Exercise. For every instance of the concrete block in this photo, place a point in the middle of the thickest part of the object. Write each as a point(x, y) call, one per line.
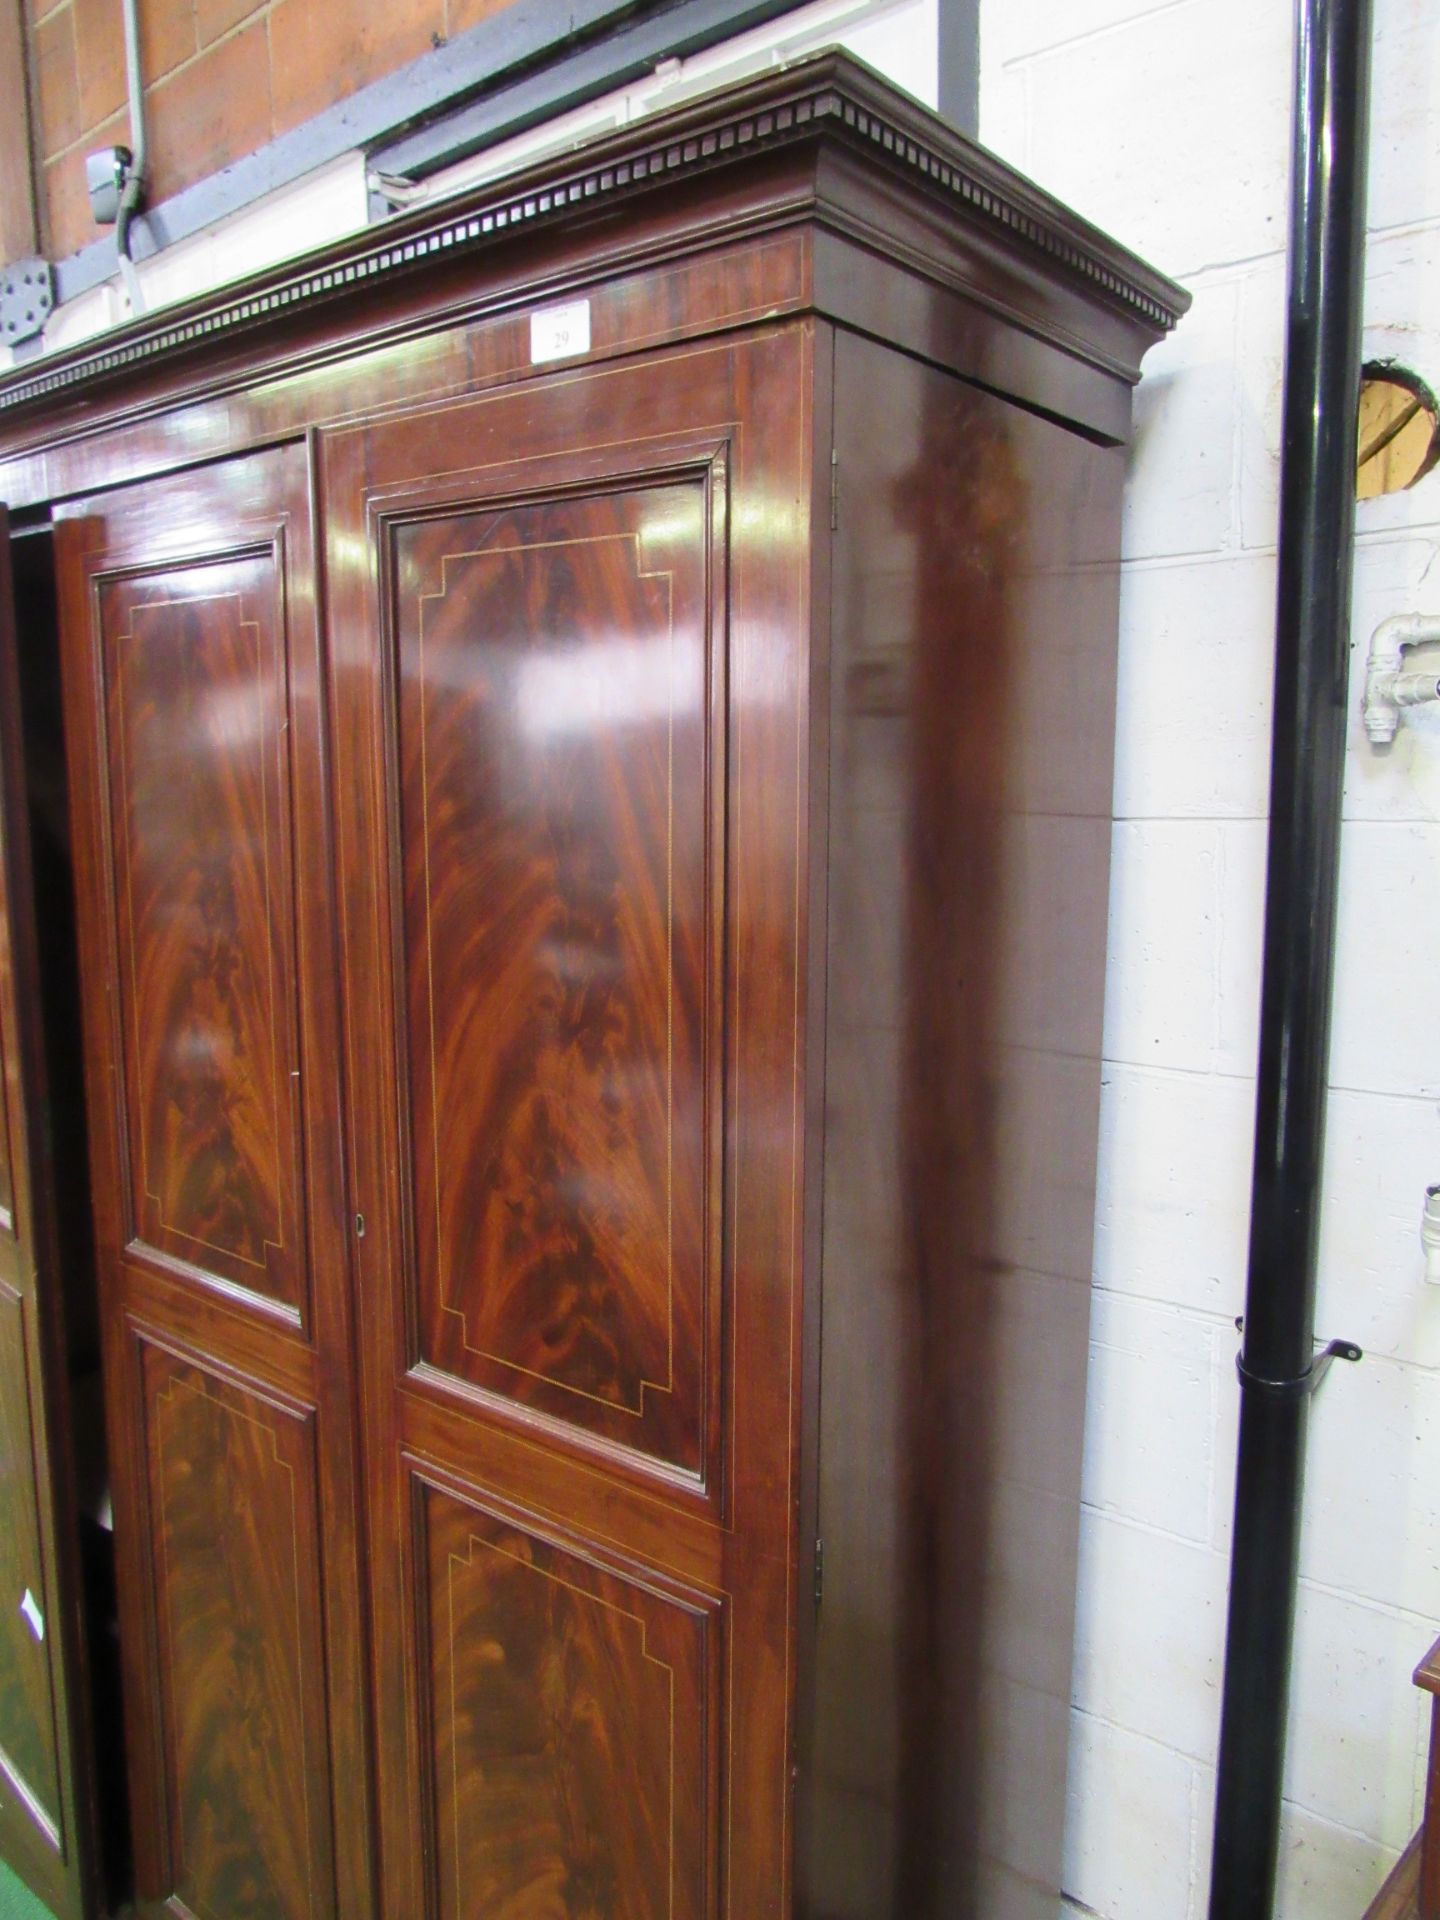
point(1241, 882)
point(1174, 1187)
point(1148, 1440)
point(1381, 1152)
point(1372, 1501)
point(1024, 27)
point(1192, 166)
point(1194, 700)
point(1164, 944)
point(1150, 1633)
point(1357, 1724)
point(1384, 1038)
point(1405, 79)
point(1327, 1872)
point(1180, 495)
point(1129, 1824)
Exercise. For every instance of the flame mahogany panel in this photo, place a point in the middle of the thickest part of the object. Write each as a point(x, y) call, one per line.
point(553, 683)
point(27, 1704)
point(197, 708)
point(602, 827)
point(194, 701)
point(575, 1727)
point(231, 1490)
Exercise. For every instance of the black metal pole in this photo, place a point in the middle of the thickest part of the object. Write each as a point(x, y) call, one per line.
point(1317, 492)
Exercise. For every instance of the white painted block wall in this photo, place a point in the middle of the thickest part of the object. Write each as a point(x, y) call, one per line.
point(1168, 122)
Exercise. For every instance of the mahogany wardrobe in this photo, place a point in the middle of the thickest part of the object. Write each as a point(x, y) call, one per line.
point(588, 716)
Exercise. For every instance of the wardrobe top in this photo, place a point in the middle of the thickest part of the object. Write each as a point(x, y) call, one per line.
point(827, 103)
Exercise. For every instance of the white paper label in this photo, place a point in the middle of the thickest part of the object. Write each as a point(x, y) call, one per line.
point(33, 1615)
point(558, 332)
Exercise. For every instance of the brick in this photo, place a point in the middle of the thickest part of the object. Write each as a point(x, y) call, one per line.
point(216, 17)
point(460, 14)
point(57, 83)
point(100, 59)
point(69, 224)
point(167, 36)
point(210, 112)
point(323, 54)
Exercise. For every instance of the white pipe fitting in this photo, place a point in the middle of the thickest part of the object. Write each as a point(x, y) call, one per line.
point(1387, 688)
point(1430, 1235)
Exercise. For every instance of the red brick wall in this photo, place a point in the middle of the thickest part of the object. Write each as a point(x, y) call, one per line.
point(221, 78)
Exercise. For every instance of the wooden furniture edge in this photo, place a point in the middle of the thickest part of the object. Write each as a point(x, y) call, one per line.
point(830, 96)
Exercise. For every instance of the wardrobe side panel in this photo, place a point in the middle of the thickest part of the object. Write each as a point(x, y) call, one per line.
point(972, 710)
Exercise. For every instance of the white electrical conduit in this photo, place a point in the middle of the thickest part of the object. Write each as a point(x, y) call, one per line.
point(134, 189)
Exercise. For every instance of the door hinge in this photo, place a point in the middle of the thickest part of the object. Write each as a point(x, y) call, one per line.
point(819, 1571)
point(834, 490)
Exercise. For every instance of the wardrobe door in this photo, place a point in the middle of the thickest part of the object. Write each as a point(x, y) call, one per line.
point(569, 665)
point(46, 1821)
point(193, 687)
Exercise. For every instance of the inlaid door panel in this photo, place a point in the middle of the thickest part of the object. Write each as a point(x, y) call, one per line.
point(570, 681)
point(207, 945)
point(200, 826)
point(553, 1678)
point(554, 662)
point(45, 1794)
point(230, 1485)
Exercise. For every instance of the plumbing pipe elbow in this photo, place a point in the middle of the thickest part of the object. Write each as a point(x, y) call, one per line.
point(1384, 695)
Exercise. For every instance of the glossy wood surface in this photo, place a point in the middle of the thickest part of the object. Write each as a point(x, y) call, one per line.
point(200, 834)
point(592, 996)
point(619, 829)
point(45, 1812)
point(575, 1726)
point(192, 666)
point(554, 676)
point(241, 1655)
point(972, 695)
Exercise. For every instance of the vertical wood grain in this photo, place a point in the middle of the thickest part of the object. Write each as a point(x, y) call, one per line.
point(191, 649)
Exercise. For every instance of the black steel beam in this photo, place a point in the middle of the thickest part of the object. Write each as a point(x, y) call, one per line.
point(628, 52)
point(1277, 1360)
point(540, 56)
point(959, 90)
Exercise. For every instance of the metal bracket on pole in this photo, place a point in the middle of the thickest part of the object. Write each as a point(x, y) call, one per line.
point(1303, 1384)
